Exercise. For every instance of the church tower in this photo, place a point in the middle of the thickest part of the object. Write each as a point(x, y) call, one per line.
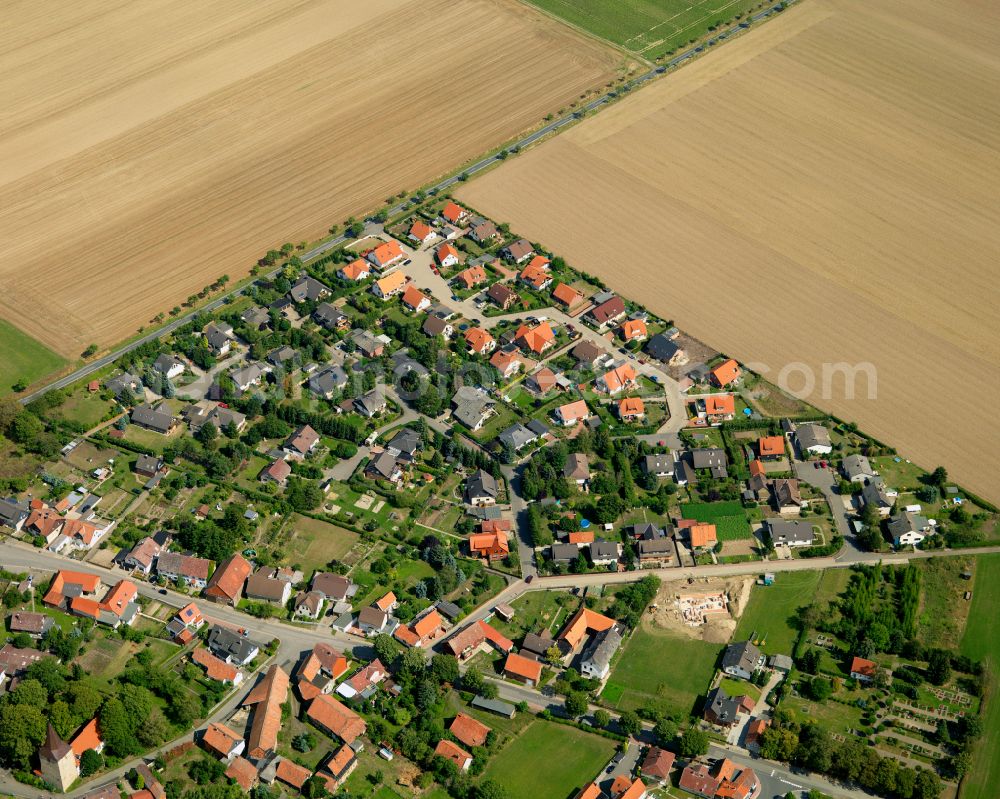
point(58, 763)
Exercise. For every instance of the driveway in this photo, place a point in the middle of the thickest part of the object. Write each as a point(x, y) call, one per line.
point(825, 481)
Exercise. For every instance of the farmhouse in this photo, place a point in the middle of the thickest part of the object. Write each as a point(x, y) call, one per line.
point(266, 699)
point(188, 569)
point(468, 641)
point(34, 624)
point(468, 730)
point(226, 584)
point(319, 671)
point(216, 668)
point(264, 585)
point(454, 753)
point(222, 742)
point(726, 780)
point(522, 669)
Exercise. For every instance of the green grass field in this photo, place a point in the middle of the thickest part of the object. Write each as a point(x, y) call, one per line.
point(549, 760)
point(315, 542)
point(662, 671)
point(728, 517)
point(982, 641)
point(647, 27)
point(23, 358)
point(770, 613)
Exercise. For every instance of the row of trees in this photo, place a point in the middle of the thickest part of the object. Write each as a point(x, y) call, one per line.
point(852, 760)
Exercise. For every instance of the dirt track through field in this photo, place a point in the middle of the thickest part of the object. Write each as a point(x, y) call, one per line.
point(146, 148)
point(821, 190)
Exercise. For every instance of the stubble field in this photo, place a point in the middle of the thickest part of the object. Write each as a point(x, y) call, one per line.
point(141, 161)
point(821, 190)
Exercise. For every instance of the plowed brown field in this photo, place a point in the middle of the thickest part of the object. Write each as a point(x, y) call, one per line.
point(822, 190)
point(148, 147)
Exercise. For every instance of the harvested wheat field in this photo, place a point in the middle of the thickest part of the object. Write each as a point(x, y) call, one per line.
point(146, 148)
point(821, 190)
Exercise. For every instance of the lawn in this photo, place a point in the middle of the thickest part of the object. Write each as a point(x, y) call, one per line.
point(550, 760)
point(740, 688)
point(315, 543)
point(943, 610)
point(728, 517)
point(22, 358)
point(535, 611)
point(84, 408)
point(648, 27)
point(982, 641)
point(663, 671)
point(770, 614)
